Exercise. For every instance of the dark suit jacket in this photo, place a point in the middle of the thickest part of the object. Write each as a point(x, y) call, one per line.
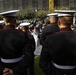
point(52, 28)
point(59, 48)
point(12, 43)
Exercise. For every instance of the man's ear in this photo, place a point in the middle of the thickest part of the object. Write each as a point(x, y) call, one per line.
point(58, 22)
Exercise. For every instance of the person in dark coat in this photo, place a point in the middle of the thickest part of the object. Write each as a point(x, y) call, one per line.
point(1, 24)
point(58, 56)
point(31, 47)
point(12, 43)
point(49, 29)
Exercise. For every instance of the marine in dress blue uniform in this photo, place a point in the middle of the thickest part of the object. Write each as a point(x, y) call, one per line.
point(30, 50)
point(12, 43)
point(49, 29)
point(58, 56)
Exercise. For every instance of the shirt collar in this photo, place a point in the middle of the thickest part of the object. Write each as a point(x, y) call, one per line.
point(65, 29)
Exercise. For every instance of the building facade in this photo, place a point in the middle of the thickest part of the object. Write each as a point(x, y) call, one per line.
point(24, 4)
point(36, 4)
point(70, 4)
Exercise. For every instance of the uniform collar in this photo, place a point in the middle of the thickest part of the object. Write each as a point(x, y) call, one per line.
point(65, 29)
point(9, 27)
point(53, 23)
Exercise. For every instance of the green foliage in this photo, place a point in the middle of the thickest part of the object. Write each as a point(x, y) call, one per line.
point(29, 14)
point(20, 15)
point(62, 8)
point(38, 70)
point(42, 14)
point(48, 12)
point(25, 14)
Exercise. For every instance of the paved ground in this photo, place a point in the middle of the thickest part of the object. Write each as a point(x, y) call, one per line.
point(38, 50)
point(38, 46)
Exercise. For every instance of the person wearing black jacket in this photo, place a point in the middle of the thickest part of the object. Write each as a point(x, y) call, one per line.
point(58, 56)
point(12, 44)
point(51, 28)
point(31, 47)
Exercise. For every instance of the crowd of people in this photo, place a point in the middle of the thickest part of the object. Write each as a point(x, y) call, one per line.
point(18, 43)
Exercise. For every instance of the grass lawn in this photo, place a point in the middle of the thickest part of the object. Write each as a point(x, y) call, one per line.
point(38, 71)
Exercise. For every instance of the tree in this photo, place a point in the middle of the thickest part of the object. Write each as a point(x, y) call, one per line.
point(20, 15)
point(42, 14)
point(25, 14)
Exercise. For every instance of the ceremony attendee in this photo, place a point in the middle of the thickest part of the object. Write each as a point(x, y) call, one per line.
point(51, 28)
point(12, 44)
point(58, 56)
point(30, 50)
point(1, 24)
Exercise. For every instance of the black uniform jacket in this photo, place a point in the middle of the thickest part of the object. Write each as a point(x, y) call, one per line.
point(12, 43)
point(59, 48)
point(52, 28)
point(29, 51)
point(31, 42)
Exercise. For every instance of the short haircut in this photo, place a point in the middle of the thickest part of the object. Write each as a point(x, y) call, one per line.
point(67, 20)
point(10, 20)
point(53, 19)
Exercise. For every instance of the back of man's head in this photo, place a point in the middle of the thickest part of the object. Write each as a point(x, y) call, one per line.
point(67, 20)
point(65, 17)
point(9, 17)
point(53, 19)
point(10, 20)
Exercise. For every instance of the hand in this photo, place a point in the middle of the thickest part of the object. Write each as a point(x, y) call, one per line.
point(7, 71)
